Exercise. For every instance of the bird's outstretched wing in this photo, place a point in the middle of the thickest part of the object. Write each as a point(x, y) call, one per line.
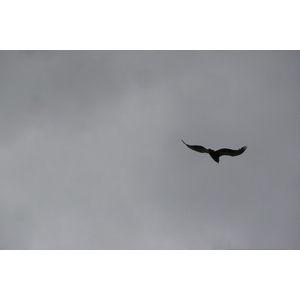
point(196, 148)
point(225, 151)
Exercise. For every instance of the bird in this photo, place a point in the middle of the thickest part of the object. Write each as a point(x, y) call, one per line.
point(215, 155)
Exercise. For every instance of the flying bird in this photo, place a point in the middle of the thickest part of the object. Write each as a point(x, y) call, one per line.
point(216, 154)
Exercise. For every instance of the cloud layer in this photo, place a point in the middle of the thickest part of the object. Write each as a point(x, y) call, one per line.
point(91, 156)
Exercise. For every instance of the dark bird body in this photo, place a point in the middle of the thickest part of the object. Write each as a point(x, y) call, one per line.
point(215, 155)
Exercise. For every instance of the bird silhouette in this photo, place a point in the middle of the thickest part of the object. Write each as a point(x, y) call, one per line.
point(215, 155)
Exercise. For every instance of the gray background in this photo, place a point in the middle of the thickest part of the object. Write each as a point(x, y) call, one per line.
point(91, 156)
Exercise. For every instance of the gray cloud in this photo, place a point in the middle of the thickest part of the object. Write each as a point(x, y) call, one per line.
point(91, 156)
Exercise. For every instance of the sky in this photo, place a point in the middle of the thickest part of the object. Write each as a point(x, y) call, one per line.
point(91, 154)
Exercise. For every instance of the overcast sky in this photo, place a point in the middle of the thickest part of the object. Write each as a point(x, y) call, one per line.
point(92, 158)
